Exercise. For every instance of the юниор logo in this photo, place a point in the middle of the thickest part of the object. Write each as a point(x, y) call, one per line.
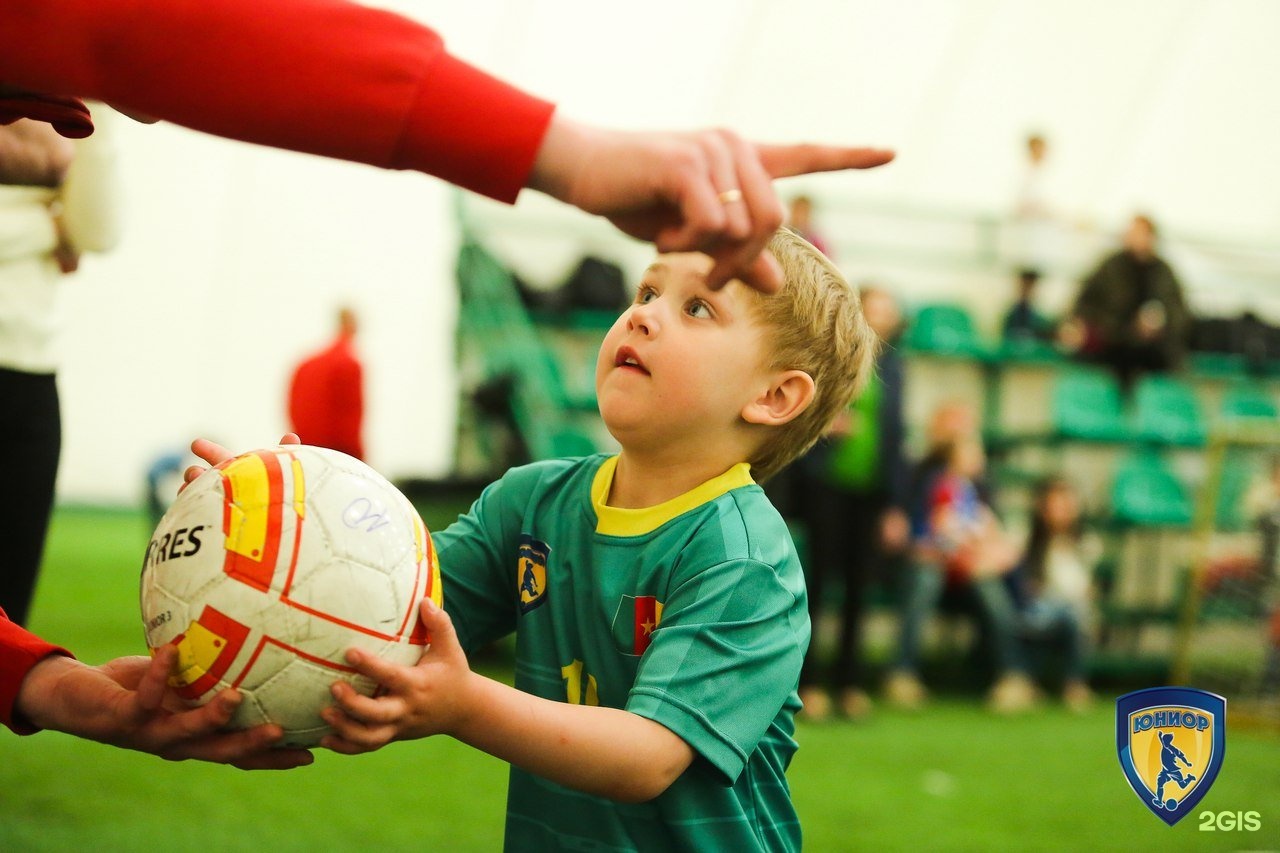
point(1171, 742)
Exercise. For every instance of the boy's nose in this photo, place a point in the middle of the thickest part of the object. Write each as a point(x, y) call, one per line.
point(643, 319)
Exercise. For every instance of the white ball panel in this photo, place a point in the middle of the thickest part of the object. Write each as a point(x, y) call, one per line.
point(354, 564)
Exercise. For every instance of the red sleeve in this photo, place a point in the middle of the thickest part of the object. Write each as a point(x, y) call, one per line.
point(348, 406)
point(320, 76)
point(943, 495)
point(19, 651)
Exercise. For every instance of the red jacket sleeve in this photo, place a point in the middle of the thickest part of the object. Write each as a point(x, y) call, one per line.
point(320, 76)
point(19, 651)
point(348, 406)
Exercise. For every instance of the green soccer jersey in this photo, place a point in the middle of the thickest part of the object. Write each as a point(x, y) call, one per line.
point(691, 613)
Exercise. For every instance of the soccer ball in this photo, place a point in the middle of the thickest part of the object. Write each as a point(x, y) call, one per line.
point(268, 567)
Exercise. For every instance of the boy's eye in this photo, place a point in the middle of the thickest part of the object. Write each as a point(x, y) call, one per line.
point(645, 295)
point(698, 308)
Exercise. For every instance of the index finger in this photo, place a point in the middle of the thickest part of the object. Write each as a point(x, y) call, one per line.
point(762, 273)
point(785, 161)
point(210, 451)
point(384, 672)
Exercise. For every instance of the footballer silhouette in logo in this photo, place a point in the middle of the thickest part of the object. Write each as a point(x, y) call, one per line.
point(1170, 755)
point(531, 572)
point(529, 582)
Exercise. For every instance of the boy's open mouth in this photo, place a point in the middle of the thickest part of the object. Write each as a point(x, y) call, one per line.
point(626, 358)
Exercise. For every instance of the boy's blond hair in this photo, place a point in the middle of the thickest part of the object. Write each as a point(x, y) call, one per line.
point(815, 324)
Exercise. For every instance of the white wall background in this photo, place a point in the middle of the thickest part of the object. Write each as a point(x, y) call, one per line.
point(235, 257)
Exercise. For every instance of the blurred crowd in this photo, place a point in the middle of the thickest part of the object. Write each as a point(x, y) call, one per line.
point(920, 535)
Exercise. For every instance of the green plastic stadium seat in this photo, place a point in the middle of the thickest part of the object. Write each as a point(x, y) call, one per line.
point(944, 329)
point(1146, 493)
point(1218, 364)
point(1087, 406)
point(1028, 352)
point(1166, 411)
point(1247, 400)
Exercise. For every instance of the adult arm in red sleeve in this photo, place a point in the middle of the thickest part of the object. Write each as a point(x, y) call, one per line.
point(126, 703)
point(319, 76)
point(341, 80)
point(20, 650)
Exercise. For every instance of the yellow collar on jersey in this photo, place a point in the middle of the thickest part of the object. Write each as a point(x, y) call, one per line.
point(615, 521)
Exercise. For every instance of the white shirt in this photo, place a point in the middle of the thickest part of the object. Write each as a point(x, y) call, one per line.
point(29, 275)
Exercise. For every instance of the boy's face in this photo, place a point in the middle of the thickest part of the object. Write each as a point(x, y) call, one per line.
point(682, 361)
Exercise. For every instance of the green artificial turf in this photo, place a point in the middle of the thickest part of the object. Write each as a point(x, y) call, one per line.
point(950, 778)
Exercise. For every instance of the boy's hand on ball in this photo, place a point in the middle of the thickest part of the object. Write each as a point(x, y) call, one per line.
point(431, 697)
point(215, 454)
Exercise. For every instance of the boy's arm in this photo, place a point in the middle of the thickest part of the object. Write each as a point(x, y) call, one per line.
point(607, 752)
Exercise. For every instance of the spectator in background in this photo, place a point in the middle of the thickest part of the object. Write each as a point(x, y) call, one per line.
point(43, 231)
point(1023, 324)
point(1262, 505)
point(958, 543)
point(326, 395)
point(1034, 224)
point(800, 220)
point(1131, 314)
point(1053, 584)
point(857, 482)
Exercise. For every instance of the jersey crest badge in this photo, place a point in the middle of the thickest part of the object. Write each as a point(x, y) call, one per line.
point(1171, 741)
point(531, 572)
point(634, 622)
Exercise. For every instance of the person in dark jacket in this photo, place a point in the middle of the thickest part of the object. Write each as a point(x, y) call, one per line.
point(1131, 314)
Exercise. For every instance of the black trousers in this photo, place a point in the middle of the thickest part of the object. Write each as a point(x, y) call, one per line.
point(30, 442)
point(845, 554)
point(1131, 361)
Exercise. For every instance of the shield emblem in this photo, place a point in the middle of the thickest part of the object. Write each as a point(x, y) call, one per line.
point(531, 572)
point(1171, 742)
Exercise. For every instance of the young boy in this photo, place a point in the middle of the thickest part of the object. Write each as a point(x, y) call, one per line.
point(959, 542)
point(656, 597)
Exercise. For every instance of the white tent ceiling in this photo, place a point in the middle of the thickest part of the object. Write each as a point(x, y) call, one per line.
point(1172, 106)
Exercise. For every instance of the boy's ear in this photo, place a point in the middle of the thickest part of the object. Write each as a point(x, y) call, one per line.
point(787, 396)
